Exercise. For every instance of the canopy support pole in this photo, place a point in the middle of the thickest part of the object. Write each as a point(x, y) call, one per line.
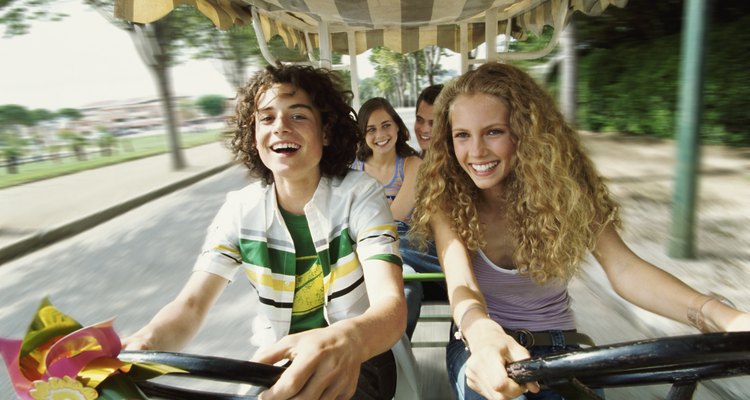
point(490, 34)
point(262, 44)
point(463, 38)
point(354, 72)
point(325, 45)
point(688, 128)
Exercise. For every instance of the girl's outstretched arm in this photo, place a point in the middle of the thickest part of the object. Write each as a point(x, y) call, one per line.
point(658, 291)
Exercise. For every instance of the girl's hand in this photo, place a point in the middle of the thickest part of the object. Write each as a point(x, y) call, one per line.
point(491, 351)
point(720, 317)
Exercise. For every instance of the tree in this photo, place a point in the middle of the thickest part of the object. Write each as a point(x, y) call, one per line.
point(236, 47)
point(16, 15)
point(399, 77)
point(158, 45)
point(76, 141)
point(392, 73)
point(11, 117)
point(212, 105)
point(432, 67)
point(70, 113)
point(14, 114)
point(105, 140)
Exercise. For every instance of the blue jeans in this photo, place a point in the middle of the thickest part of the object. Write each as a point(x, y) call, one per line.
point(415, 261)
point(456, 356)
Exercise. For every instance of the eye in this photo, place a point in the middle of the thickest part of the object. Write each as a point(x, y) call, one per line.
point(265, 118)
point(460, 135)
point(370, 129)
point(496, 132)
point(299, 116)
point(386, 125)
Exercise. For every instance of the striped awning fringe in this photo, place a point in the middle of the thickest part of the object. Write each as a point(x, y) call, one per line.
point(401, 25)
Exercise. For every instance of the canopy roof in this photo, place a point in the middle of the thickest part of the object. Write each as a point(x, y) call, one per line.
point(353, 26)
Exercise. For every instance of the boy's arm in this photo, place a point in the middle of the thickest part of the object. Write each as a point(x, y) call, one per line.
point(327, 360)
point(177, 322)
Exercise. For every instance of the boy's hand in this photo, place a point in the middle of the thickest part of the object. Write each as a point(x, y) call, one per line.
point(325, 365)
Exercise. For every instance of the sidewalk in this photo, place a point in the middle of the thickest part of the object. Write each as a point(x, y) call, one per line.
point(41, 213)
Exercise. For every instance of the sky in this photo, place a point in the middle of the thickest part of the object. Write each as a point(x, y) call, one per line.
point(84, 59)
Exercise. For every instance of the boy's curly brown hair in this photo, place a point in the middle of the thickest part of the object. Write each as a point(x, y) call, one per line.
point(325, 90)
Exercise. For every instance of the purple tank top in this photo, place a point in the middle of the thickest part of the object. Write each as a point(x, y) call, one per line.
point(516, 302)
point(392, 188)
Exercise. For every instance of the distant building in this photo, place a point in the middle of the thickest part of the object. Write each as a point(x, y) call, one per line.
point(125, 117)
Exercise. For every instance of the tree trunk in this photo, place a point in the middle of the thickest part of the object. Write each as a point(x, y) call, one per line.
point(568, 68)
point(152, 42)
point(12, 164)
point(173, 133)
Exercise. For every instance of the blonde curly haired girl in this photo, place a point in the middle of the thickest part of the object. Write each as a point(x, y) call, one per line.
point(514, 204)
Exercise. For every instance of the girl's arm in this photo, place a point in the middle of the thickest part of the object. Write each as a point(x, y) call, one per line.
point(491, 348)
point(177, 322)
point(656, 290)
point(403, 204)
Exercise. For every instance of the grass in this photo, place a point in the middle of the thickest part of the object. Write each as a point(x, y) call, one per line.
point(125, 149)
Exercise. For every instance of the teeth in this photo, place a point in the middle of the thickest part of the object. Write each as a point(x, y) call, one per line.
point(485, 167)
point(383, 142)
point(424, 137)
point(283, 146)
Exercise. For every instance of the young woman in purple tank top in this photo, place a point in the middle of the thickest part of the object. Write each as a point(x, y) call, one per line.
point(384, 153)
point(514, 204)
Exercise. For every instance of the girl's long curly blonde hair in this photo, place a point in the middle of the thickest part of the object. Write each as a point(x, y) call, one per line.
point(556, 202)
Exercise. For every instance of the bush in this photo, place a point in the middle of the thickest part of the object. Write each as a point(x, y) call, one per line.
point(634, 87)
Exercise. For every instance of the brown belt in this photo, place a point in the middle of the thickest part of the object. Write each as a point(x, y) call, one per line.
point(529, 339)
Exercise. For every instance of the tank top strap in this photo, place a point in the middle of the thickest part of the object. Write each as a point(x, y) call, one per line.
point(358, 165)
point(400, 163)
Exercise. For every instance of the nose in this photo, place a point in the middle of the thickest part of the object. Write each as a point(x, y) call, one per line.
point(280, 125)
point(477, 147)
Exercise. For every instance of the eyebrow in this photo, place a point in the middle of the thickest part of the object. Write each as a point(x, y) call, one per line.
point(381, 122)
point(293, 107)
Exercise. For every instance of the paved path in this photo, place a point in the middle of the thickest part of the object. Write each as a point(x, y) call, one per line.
point(40, 213)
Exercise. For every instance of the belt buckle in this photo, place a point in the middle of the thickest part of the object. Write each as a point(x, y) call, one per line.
point(525, 338)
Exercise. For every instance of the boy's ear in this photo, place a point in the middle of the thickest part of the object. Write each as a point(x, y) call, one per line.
point(326, 134)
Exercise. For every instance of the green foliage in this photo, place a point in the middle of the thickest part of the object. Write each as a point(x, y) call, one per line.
point(633, 87)
point(212, 104)
point(70, 113)
point(13, 114)
point(11, 145)
point(17, 15)
point(106, 142)
point(41, 115)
